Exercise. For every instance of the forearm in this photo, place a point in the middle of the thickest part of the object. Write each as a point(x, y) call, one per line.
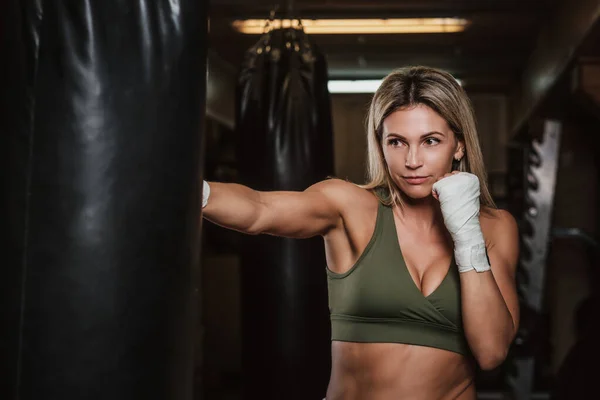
point(487, 267)
point(488, 324)
point(233, 206)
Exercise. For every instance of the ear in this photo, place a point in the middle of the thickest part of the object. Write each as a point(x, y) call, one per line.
point(460, 151)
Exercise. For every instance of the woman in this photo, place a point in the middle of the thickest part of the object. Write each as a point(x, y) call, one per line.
point(420, 263)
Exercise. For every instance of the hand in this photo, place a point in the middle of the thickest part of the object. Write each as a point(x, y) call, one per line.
point(458, 194)
point(434, 192)
point(205, 193)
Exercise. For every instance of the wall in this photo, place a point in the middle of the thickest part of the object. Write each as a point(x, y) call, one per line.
point(349, 113)
point(569, 261)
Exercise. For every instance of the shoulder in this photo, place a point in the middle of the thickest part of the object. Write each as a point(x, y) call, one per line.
point(340, 189)
point(345, 194)
point(497, 222)
point(332, 184)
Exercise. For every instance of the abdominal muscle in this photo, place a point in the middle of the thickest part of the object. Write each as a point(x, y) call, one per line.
point(391, 371)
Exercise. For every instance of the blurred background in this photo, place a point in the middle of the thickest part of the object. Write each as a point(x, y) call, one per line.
point(532, 71)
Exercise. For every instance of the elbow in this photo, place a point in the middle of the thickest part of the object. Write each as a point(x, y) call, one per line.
point(253, 229)
point(490, 358)
point(491, 352)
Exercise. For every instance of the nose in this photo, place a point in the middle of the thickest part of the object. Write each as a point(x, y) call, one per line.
point(413, 161)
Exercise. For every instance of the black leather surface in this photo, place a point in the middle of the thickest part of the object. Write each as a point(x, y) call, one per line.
point(283, 124)
point(101, 163)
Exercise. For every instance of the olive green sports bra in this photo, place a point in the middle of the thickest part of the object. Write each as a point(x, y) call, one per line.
point(377, 300)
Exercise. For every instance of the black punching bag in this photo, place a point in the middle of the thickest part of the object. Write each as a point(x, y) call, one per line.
point(102, 110)
point(283, 125)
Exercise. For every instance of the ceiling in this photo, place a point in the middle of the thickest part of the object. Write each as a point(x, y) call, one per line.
point(488, 56)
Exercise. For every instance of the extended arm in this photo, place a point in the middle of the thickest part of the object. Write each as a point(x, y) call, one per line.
point(282, 213)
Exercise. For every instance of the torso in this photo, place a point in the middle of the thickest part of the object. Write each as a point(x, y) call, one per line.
point(394, 370)
point(384, 371)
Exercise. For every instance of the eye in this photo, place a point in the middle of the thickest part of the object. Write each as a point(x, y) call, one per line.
point(431, 141)
point(394, 142)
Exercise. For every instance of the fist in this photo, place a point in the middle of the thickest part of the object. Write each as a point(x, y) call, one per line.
point(458, 194)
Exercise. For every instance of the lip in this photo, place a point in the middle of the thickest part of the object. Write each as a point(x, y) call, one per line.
point(415, 180)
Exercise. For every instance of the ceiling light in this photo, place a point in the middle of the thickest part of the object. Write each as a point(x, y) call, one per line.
point(353, 86)
point(358, 86)
point(357, 26)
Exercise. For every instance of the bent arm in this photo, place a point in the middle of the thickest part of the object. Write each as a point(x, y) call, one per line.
point(489, 299)
point(281, 213)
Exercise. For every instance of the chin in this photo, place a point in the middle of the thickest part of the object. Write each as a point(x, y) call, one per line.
point(416, 192)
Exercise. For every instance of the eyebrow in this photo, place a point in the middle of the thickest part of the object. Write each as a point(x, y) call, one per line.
point(422, 136)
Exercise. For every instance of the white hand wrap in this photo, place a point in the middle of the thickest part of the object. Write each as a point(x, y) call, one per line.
point(205, 193)
point(459, 200)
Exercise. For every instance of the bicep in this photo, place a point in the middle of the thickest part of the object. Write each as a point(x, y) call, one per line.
point(503, 252)
point(298, 214)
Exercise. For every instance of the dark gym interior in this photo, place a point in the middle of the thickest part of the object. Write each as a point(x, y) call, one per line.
point(526, 65)
point(112, 112)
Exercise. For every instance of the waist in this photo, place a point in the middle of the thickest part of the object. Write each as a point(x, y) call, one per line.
point(346, 328)
point(391, 370)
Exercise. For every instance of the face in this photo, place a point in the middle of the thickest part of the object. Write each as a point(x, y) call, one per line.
point(418, 147)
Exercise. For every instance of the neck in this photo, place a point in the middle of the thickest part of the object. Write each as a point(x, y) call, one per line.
point(422, 213)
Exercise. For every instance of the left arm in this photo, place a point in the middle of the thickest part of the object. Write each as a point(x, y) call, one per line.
point(490, 309)
point(490, 306)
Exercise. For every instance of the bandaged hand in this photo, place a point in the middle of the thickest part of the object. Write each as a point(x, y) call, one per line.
point(459, 200)
point(205, 193)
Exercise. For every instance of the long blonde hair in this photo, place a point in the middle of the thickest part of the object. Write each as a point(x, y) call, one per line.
point(437, 89)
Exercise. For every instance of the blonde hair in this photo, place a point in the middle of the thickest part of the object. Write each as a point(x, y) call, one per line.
point(409, 87)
